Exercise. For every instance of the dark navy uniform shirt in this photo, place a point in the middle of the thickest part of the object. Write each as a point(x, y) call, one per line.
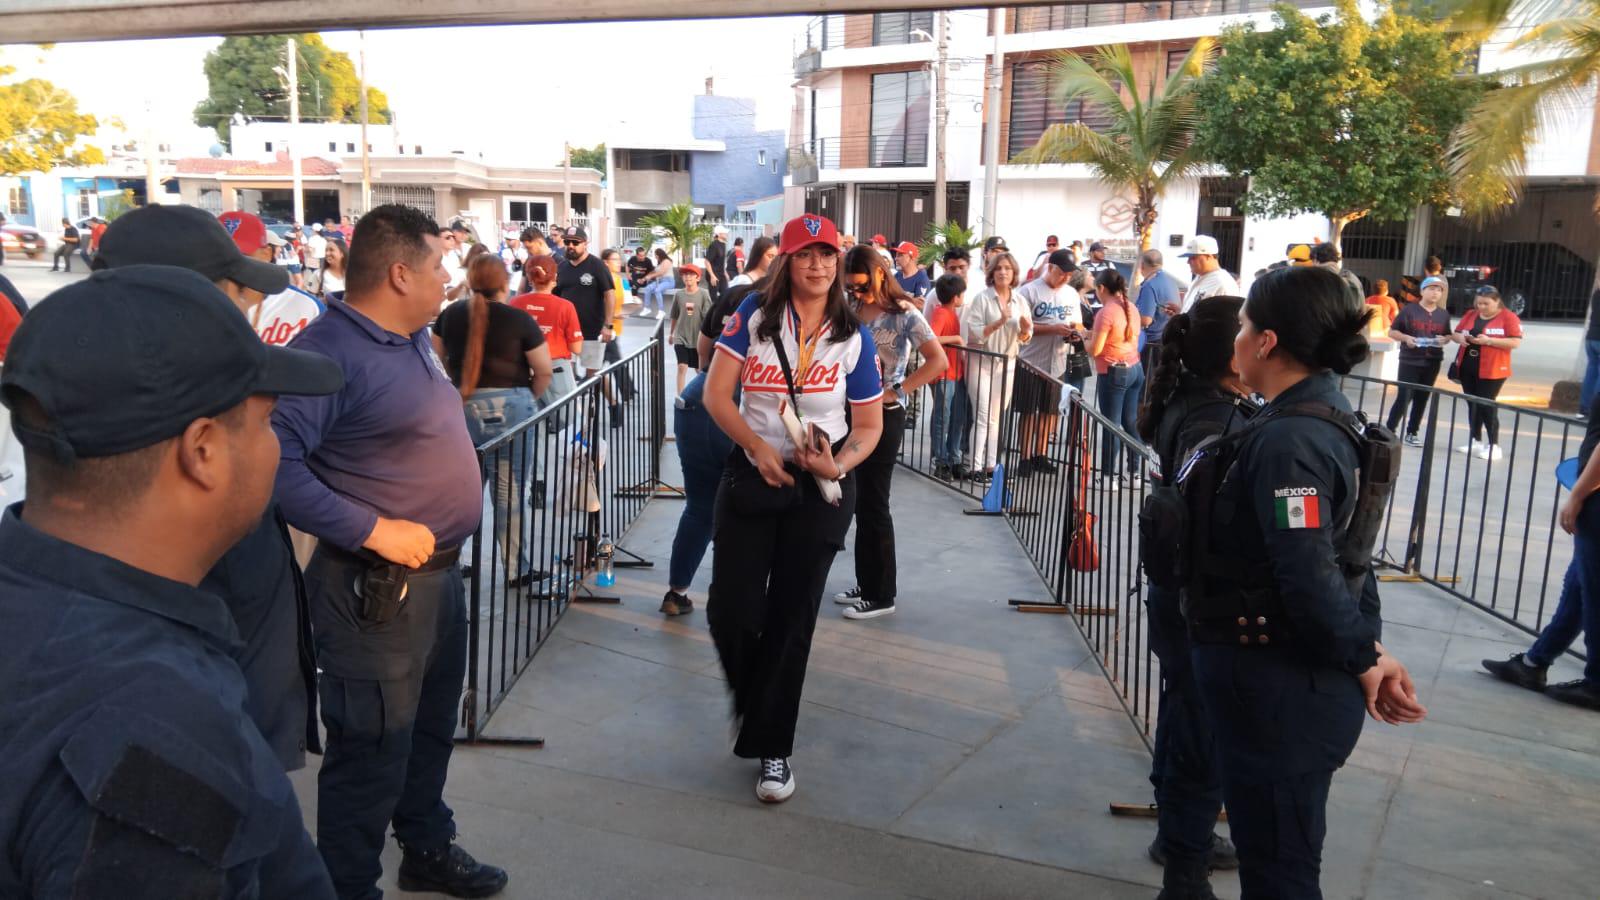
point(129, 767)
point(1292, 488)
point(392, 442)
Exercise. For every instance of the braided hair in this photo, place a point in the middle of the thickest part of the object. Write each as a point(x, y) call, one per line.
point(1198, 343)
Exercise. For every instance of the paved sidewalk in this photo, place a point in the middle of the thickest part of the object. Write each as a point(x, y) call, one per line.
point(960, 749)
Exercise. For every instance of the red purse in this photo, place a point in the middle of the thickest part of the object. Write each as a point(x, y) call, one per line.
point(1083, 554)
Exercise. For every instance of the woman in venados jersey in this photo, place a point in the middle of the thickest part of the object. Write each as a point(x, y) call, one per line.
point(809, 412)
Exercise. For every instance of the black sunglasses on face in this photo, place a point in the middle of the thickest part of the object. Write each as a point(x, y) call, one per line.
point(857, 288)
point(573, 243)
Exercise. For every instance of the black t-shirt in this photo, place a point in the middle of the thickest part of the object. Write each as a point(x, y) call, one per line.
point(1593, 332)
point(639, 267)
point(1417, 322)
point(506, 342)
point(71, 232)
point(1591, 433)
point(584, 285)
point(717, 258)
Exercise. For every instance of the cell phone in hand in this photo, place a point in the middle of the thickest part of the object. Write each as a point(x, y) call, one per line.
point(816, 438)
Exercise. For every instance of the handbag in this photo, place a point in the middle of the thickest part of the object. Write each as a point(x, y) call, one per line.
point(1454, 372)
point(1079, 365)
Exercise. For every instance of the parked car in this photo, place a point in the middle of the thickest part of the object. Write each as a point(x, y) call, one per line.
point(1536, 279)
point(22, 239)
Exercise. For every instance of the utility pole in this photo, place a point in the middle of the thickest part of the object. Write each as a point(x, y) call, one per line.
point(991, 158)
point(152, 183)
point(294, 133)
point(366, 162)
point(941, 119)
point(566, 181)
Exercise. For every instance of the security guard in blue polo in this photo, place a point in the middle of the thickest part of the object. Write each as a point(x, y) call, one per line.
point(142, 399)
point(1284, 617)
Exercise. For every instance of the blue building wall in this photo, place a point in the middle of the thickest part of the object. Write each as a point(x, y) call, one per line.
point(25, 184)
point(744, 171)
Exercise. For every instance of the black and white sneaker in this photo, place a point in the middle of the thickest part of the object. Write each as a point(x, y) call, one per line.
point(1413, 440)
point(866, 609)
point(776, 783)
point(848, 598)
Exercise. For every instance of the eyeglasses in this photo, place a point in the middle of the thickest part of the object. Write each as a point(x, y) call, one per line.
point(1052, 245)
point(574, 243)
point(858, 288)
point(822, 257)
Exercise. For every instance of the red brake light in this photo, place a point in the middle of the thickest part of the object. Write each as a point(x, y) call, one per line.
point(1485, 271)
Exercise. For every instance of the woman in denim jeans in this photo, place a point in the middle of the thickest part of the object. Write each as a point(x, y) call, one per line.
point(497, 357)
point(1119, 380)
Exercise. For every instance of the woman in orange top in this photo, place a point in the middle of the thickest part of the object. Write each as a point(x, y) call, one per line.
point(1119, 380)
point(1487, 335)
point(1386, 304)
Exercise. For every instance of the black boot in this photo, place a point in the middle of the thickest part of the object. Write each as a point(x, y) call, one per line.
point(1185, 881)
point(451, 871)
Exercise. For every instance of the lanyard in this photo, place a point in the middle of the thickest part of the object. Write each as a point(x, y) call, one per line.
point(806, 347)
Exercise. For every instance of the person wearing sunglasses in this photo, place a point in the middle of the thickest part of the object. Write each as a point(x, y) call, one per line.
point(809, 414)
point(1051, 245)
point(585, 281)
point(895, 322)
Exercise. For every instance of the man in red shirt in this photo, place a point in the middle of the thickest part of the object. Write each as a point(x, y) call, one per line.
point(558, 319)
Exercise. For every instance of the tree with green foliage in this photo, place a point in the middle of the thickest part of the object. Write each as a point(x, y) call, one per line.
point(1525, 103)
point(1149, 143)
point(677, 225)
point(589, 158)
point(40, 127)
point(243, 78)
point(939, 238)
point(1337, 115)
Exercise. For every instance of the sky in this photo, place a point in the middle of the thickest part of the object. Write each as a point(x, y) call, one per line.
point(516, 91)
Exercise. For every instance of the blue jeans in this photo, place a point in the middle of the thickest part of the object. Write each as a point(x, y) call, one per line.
point(1579, 606)
point(1591, 375)
point(655, 293)
point(702, 451)
point(492, 412)
point(1117, 395)
point(950, 414)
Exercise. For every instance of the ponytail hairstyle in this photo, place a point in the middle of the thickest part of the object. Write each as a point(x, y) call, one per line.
point(487, 278)
point(1309, 309)
point(1112, 280)
point(1199, 343)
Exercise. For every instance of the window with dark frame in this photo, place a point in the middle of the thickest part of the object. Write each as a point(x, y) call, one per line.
point(1032, 109)
point(897, 27)
point(899, 127)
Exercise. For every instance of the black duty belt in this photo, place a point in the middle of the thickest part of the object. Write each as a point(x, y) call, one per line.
point(440, 560)
point(1241, 631)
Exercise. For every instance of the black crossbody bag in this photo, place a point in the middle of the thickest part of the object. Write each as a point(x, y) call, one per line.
point(749, 492)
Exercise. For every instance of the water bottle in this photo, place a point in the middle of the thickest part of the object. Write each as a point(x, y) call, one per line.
point(604, 576)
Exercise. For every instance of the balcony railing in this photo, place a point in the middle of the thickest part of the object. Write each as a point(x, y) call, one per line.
point(824, 33)
point(1090, 15)
point(897, 150)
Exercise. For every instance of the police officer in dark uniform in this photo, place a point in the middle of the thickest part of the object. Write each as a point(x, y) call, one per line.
point(1195, 393)
point(143, 399)
point(1286, 633)
point(258, 577)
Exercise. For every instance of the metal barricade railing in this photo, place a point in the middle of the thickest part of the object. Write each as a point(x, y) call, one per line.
point(1484, 530)
point(579, 472)
point(987, 377)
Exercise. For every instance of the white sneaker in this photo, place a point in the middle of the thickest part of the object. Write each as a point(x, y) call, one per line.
point(848, 598)
point(1110, 483)
point(1489, 451)
point(776, 783)
point(1470, 447)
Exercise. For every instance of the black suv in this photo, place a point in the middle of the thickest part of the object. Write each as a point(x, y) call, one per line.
point(1536, 280)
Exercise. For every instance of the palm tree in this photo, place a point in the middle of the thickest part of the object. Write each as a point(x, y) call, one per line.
point(676, 223)
point(939, 238)
point(1149, 143)
point(1488, 153)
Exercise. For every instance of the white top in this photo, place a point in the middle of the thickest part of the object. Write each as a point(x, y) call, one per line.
point(332, 282)
point(285, 314)
point(317, 246)
point(1216, 283)
point(983, 311)
point(841, 371)
point(453, 268)
point(741, 279)
point(1048, 352)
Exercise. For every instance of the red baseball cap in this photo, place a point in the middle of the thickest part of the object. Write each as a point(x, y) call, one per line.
point(686, 269)
point(906, 247)
point(805, 230)
point(248, 231)
point(880, 240)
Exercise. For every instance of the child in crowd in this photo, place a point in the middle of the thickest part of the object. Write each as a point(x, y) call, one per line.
point(688, 309)
point(1386, 305)
point(949, 391)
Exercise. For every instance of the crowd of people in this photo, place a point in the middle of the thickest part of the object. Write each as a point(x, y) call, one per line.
point(302, 364)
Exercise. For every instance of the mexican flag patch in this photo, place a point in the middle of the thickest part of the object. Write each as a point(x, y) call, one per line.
point(1298, 507)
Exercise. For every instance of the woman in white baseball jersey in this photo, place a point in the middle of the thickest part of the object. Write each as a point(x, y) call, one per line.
point(799, 354)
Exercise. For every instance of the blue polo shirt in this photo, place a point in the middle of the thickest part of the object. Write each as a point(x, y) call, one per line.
point(127, 751)
point(1154, 294)
point(392, 442)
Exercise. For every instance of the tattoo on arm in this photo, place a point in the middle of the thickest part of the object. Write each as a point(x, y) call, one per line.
point(854, 446)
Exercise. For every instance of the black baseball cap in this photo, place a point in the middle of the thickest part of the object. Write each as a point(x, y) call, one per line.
point(1062, 259)
point(130, 356)
point(1096, 246)
point(575, 234)
point(188, 238)
point(995, 243)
